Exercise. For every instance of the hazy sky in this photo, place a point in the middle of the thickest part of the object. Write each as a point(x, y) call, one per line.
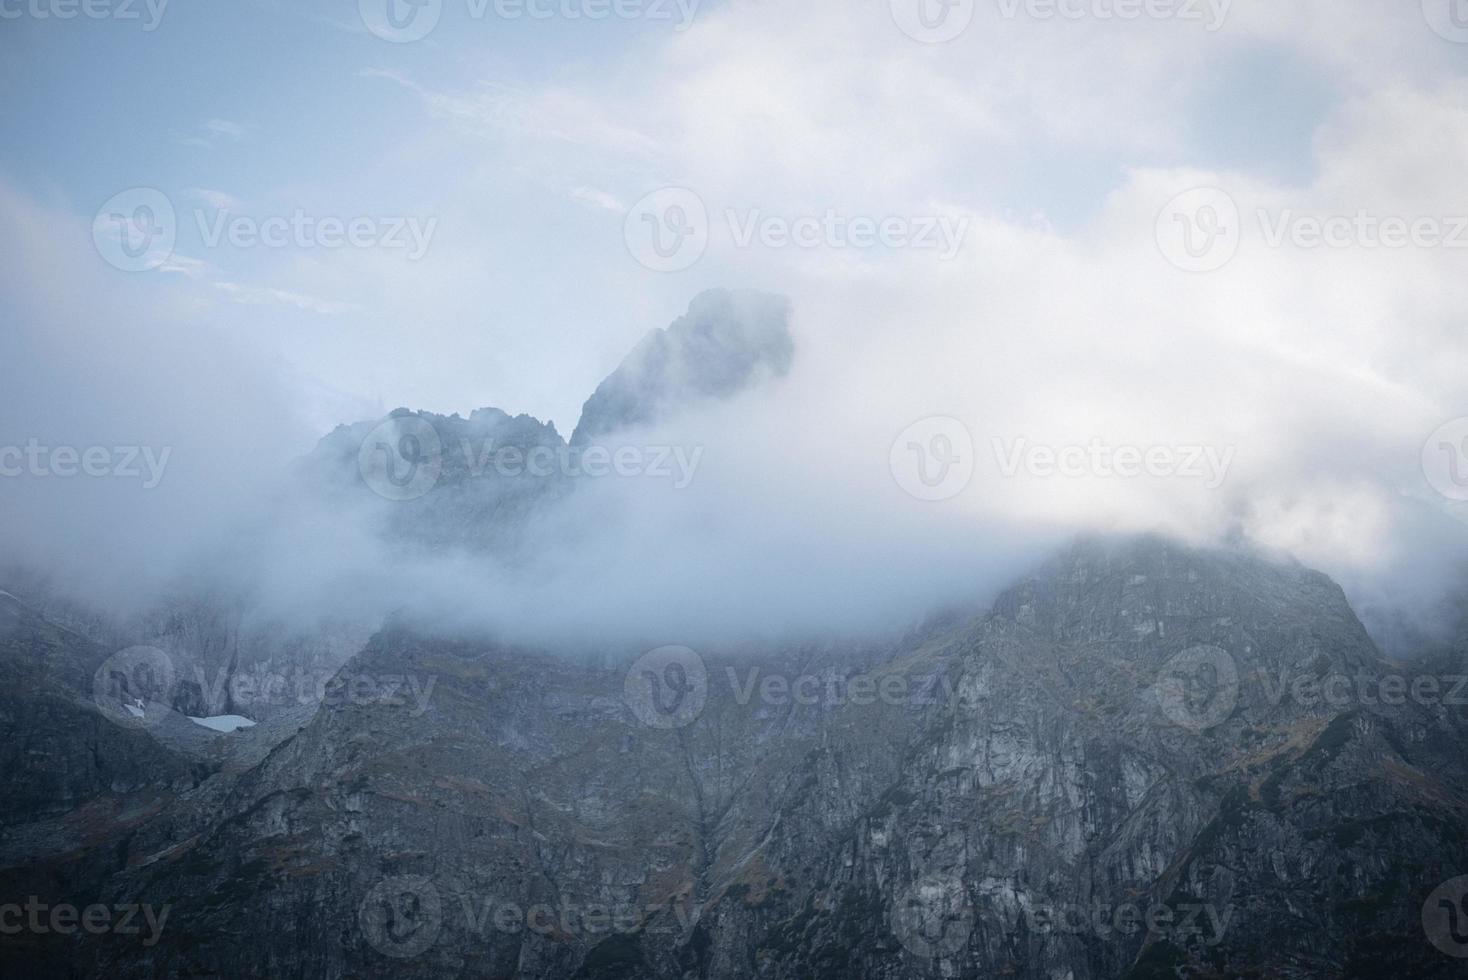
point(519, 146)
point(526, 138)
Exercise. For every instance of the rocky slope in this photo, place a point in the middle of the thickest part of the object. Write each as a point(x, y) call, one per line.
point(1144, 761)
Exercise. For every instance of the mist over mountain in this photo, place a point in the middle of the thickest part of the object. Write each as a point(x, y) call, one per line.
point(471, 698)
point(706, 490)
point(1047, 786)
point(724, 344)
point(779, 494)
point(644, 525)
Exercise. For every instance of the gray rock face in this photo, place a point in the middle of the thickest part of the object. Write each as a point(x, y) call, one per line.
point(58, 752)
point(440, 481)
point(1125, 769)
point(727, 342)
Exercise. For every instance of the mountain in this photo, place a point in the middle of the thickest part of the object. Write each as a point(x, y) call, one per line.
point(416, 485)
point(60, 750)
point(440, 481)
point(727, 342)
point(1145, 760)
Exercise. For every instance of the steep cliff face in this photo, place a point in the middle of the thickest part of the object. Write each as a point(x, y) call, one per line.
point(1146, 761)
point(79, 770)
point(726, 343)
point(58, 747)
point(1141, 728)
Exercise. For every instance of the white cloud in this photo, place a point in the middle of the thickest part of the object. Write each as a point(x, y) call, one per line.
point(219, 200)
point(598, 198)
point(1060, 322)
point(285, 297)
point(226, 129)
point(212, 132)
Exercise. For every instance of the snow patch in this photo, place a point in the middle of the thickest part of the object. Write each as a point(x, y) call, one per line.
point(223, 723)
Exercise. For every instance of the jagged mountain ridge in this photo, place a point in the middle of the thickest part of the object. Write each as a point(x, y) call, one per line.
point(777, 839)
point(425, 484)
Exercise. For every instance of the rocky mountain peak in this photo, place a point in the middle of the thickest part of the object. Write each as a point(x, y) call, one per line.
point(727, 341)
point(1136, 589)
